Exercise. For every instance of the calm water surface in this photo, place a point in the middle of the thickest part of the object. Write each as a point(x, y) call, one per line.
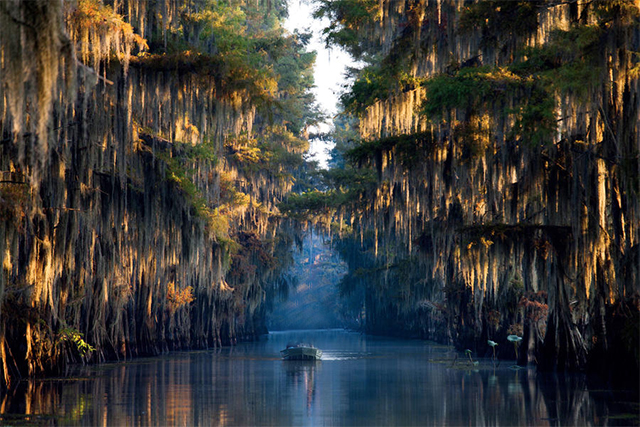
point(360, 381)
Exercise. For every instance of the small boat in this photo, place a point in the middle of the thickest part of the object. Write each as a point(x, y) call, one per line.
point(301, 352)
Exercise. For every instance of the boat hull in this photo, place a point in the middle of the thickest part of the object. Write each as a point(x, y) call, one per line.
point(301, 353)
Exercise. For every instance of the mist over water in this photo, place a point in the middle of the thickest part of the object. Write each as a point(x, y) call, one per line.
point(313, 301)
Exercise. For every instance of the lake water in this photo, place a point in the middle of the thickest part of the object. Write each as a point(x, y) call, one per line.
point(360, 381)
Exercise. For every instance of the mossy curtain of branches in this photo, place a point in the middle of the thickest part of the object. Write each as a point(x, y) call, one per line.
point(145, 146)
point(503, 142)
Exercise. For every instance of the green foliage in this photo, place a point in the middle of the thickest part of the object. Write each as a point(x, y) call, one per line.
point(177, 172)
point(276, 152)
point(237, 47)
point(365, 91)
point(535, 121)
point(348, 18)
point(340, 188)
point(296, 108)
point(351, 25)
point(71, 335)
point(343, 188)
point(205, 151)
point(355, 180)
point(569, 63)
point(384, 76)
point(474, 137)
point(471, 89)
point(228, 74)
point(311, 204)
point(376, 82)
point(485, 89)
point(245, 150)
point(223, 23)
point(344, 135)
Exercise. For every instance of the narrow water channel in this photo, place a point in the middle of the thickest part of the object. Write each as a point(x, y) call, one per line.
point(360, 381)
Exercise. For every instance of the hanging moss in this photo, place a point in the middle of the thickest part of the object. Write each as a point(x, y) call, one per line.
point(533, 129)
point(100, 32)
point(133, 214)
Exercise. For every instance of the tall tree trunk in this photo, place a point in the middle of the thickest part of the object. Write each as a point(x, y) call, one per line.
point(563, 346)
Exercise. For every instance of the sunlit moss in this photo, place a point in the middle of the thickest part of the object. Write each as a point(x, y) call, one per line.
point(100, 32)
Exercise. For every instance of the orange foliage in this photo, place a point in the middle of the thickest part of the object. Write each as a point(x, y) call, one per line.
point(535, 305)
point(178, 298)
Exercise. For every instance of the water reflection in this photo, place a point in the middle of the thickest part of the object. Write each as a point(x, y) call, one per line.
point(360, 381)
point(301, 379)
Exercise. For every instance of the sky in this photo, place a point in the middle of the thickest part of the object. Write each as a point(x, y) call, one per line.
point(329, 71)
